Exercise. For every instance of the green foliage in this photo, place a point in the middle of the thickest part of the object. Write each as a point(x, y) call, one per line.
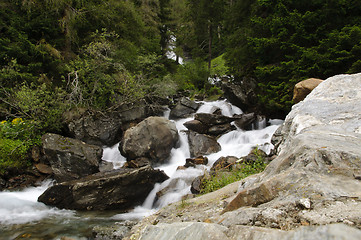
point(218, 66)
point(16, 139)
point(238, 172)
point(13, 155)
point(41, 104)
point(192, 75)
point(279, 43)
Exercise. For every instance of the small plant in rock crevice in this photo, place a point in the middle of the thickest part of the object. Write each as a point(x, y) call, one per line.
point(239, 171)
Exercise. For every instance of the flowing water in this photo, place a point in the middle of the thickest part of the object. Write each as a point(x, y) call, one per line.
point(21, 216)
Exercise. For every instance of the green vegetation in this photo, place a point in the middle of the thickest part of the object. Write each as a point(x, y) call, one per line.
point(59, 55)
point(279, 43)
point(16, 139)
point(239, 171)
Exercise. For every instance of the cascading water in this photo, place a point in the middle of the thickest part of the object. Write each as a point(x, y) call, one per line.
point(21, 213)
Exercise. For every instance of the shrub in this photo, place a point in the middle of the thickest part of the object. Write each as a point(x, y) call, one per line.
point(240, 171)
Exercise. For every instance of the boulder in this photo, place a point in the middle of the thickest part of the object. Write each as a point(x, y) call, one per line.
point(241, 94)
point(201, 144)
point(106, 128)
point(197, 126)
point(244, 121)
point(303, 88)
point(212, 119)
point(319, 149)
point(218, 130)
point(94, 127)
point(117, 190)
point(70, 158)
point(184, 108)
point(153, 138)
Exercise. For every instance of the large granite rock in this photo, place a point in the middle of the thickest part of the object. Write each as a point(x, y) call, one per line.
point(70, 158)
point(184, 231)
point(303, 88)
point(152, 138)
point(197, 230)
point(319, 147)
point(121, 189)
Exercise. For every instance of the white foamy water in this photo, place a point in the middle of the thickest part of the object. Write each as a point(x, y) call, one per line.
point(112, 155)
point(21, 207)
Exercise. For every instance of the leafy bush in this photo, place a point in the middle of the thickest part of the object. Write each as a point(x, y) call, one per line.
point(16, 139)
point(192, 75)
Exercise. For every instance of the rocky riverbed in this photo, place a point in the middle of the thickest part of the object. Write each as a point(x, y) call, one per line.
point(311, 190)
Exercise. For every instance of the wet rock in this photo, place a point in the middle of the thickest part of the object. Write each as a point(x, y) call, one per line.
point(70, 158)
point(303, 88)
point(197, 126)
point(221, 129)
point(224, 163)
point(153, 138)
point(196, 186)
point(184, 108)
point(244, 121)
point(212, 119)
point(241, 94)
point(192, 162)
point(117, 190)
point(201, 144)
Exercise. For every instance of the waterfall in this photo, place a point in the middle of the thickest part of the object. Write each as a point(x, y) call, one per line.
point(21, 209)
point(236, 143)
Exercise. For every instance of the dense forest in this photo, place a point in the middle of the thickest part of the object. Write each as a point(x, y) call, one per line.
point(64, 54)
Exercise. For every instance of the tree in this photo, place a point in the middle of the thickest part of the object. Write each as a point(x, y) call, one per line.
point(286, 41)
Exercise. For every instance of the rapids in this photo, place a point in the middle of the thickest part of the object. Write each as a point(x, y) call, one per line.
point(22, 215)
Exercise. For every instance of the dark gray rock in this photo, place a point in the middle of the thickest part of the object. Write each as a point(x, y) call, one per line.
point(184, 108)
point(196, 186)
point(241, 94)
point(105, 128)
point(152, 138)
point(244, 121)
point(94, 127)
point(218, 130)
point(70, 158)
point(121, 190)
point(212, 119)
point(197, 126)
point(201, 144)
